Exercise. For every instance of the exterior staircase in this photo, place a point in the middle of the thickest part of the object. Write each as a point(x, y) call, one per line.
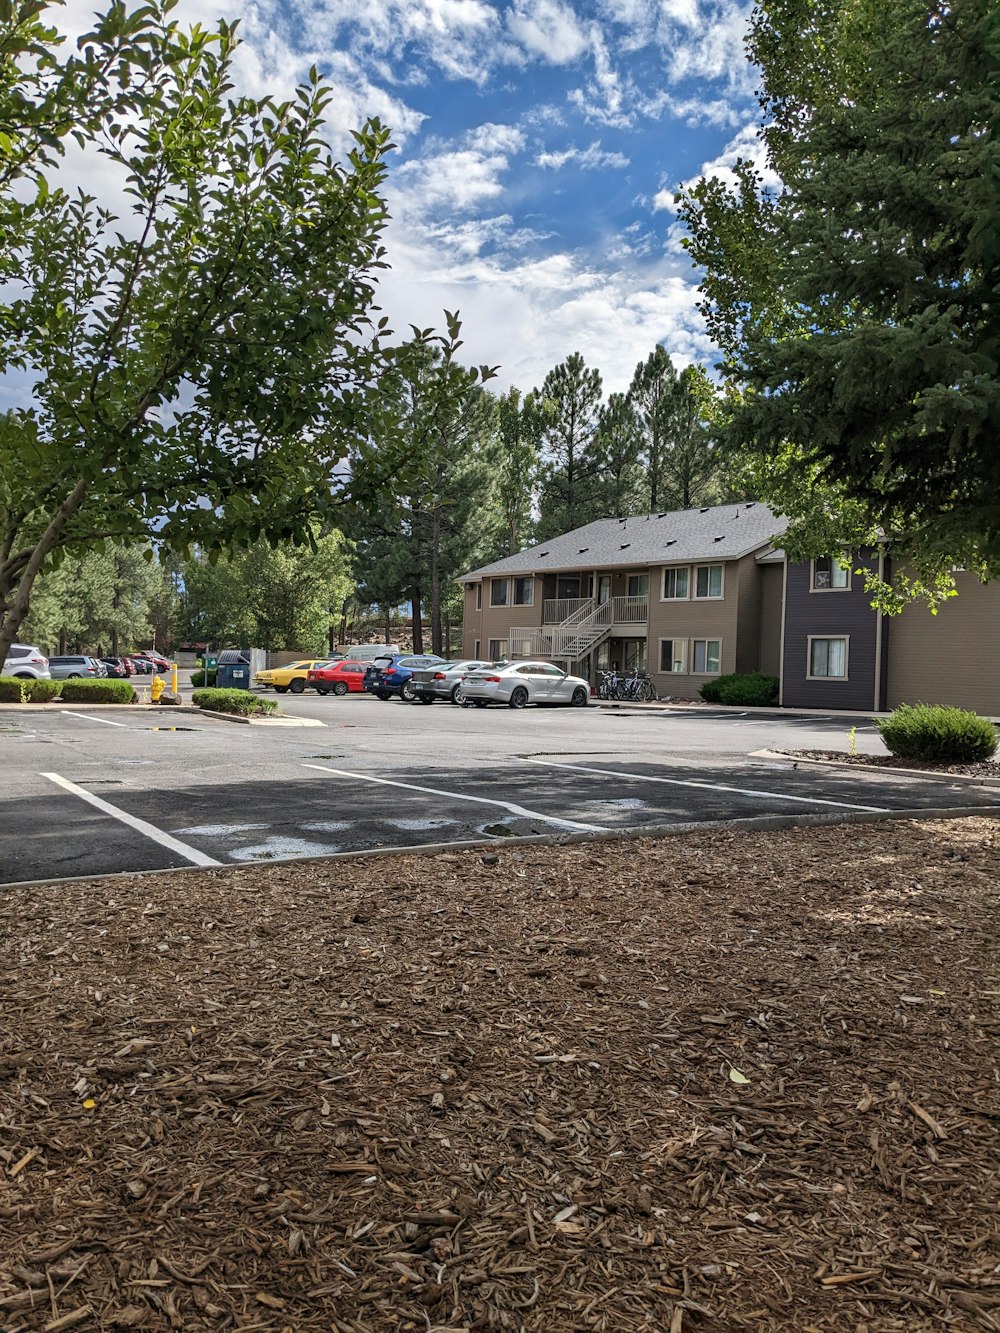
point(579, 633)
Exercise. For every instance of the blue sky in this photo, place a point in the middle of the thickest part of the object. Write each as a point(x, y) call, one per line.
point(539, 146)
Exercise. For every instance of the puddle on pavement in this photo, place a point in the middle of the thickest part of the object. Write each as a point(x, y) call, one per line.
point(273, 849)
point(220, 830)
point(418, 825)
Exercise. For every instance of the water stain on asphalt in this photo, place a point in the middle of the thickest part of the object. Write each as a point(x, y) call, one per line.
point(274, 848)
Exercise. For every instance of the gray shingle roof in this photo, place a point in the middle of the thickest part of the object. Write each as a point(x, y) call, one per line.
point(724, 532)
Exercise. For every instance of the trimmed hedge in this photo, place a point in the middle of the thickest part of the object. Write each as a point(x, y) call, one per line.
point(938, 734)
point(103, 691)
point(750, 691)
point(18, 689)
point(198, 677)
point(240, 702)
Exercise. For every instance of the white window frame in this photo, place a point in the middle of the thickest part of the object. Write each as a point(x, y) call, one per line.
point(710, 596)
point(494, 583)
point(844, 564)
point(478, 654)
point(528, 579)
point(479, 596)
point(676, 643)
point(706, 672)
point(677, 597)
point(637, 574)
point(504, 646)
point(845, 639)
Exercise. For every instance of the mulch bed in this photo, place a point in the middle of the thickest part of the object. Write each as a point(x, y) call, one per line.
point(988, 768)
point(718, 1082)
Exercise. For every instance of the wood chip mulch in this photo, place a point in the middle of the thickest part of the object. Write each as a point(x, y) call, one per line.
point(986, 768)
point(719, 1082)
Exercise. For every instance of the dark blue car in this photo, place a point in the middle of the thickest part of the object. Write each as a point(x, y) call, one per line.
point(388, 676)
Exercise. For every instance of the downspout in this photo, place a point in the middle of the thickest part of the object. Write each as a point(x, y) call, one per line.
point(781, 647)
point(878, 637)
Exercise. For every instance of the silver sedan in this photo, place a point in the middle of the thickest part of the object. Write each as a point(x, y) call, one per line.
point(443, 681)
point(518, 684)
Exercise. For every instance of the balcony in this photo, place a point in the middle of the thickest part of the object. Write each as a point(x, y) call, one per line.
point(568, 611)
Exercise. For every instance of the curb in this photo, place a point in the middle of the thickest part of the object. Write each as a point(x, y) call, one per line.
point(928, 774)
point(261, 721)
point(658, 832)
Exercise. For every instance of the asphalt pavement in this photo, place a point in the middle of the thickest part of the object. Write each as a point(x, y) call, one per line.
point(88, 792)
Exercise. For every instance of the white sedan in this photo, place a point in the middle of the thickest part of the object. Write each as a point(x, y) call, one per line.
point(518, 684)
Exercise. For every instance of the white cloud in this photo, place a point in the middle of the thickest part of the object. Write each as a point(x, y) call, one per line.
point(549, 29)
point(457, 178)
point(589, 159)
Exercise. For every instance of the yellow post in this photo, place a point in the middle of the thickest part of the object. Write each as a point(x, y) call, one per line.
point(156, 688)
point(173, 677)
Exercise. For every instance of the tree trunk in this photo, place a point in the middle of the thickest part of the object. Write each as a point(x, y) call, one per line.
point(114, 643)
point(388, 624)
point(418, 623)
point(436, 583)
point(447, 632)
point(14, 611)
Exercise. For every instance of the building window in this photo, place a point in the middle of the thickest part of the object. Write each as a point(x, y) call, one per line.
point(479, 596)
point(708, 581)
point(524, 591)
point(830, 574)
point(499, 592)
point(637, 585)
point(706, 657)
point(672, 655)
point(634, 654)
point(478, 649)
point(498, 649)
point(827, 659)
point(676, 583)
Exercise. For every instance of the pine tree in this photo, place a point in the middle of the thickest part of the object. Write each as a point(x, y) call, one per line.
point(650, 395)
point(618, 448)
point(571, 398)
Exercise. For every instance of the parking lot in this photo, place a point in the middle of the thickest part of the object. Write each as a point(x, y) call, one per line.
point(86, 792)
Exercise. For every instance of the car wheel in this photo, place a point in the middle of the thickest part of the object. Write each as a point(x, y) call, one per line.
point(407, 693)
point(339, 689)
point(320, 691)
point(425, 699)
point(74, 675)
point(383, 695)
point(518, 698)
point(297, 686)
point(457, 697)
point(281, 689)
point(579, 699)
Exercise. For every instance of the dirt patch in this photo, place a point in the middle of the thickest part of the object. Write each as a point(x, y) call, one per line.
point(986, 769)
point(721, 1082)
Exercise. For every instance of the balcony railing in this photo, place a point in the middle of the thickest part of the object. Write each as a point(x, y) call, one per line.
point(631, 610)
point(558, 609)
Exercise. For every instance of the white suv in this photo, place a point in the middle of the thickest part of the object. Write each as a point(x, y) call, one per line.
point(27, 662)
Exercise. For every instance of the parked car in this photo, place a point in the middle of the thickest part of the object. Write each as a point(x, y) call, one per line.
point(142, 666)
point(392, 675)
point(291, 677)
point(159, 662)
point(118, 668)
point(337, 678)
point(27, 662)
point(70, 666)
point(444, 681)
point(367, 652)
point(518, 684)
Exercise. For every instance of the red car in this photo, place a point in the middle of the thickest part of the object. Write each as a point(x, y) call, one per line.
point(338, 677)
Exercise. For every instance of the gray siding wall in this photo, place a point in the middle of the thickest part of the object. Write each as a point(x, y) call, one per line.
point(771, 580)
point(845, 613)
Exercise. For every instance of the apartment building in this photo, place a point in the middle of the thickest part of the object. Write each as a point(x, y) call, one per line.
point(703, 592)
point(684, 596)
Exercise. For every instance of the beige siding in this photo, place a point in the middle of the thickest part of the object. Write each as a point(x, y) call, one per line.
point(771, 579)
point(496, 622)
point(951, 658)
point(472, 622)
point(693, 619)
point(748, 615)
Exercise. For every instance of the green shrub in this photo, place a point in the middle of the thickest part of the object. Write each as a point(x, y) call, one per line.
point(241, 702)
point(198, 677)
point(17, 689)
point(750, 691)
point(103, 691)
point(937, 734)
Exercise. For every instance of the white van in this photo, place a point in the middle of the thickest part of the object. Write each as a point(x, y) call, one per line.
point(367, 652)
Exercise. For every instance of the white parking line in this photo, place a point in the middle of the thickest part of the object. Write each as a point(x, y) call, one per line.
point(148, 830)
point(707, 786)
point(463, 796)
point(66, 712)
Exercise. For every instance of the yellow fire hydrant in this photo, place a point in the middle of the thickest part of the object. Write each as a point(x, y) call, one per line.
point(156, 688)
